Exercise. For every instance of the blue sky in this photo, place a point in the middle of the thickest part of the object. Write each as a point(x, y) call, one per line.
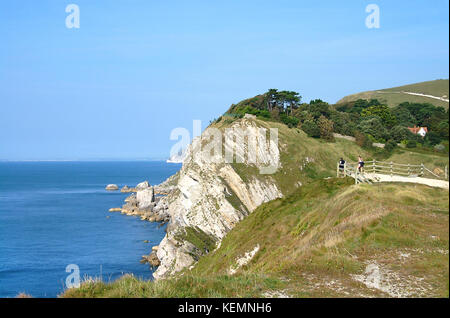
point(134, 70)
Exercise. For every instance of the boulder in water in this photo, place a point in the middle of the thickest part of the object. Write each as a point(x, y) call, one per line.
point(112, 187)
point(143, 185)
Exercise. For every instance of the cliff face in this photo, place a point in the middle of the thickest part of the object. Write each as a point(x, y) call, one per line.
point(210, 197)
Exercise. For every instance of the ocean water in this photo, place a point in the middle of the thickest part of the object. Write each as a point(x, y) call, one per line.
point(53, 214)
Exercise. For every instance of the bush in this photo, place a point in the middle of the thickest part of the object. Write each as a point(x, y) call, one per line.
point(374, 127)
point(390, 145)
point(411, 144)
point(381, 111)
point(439, 148)
point(399, 133)
point(311, 128)
point(290, 121)
point(363, 140)
point(433, 138)
point(326, 128)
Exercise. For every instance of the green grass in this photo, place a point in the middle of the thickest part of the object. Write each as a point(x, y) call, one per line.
point(393, 96)
point(201, 240)
point(186, 286)
point(323, 232)
point(295, 148)
point(416, 156)
point(316, 229)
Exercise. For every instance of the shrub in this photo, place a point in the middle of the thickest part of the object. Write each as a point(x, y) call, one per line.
point(411, 144)
point(390, 145)
point(290, 121)
point(373, 126)
point(439, 148)
point(381, 111)
point(433, 138)
point(326, 128)
point(363, 140)
point(311, 128)
point(399, 133)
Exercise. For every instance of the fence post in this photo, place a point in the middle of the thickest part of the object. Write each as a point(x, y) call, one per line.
point(391, 170)
point(373, 166)
point(337, 170)
point(409, 170)
point(421, 170)
point(446, 172)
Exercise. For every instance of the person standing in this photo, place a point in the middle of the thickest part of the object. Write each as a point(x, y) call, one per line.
point(342, 166)
point(360, 164)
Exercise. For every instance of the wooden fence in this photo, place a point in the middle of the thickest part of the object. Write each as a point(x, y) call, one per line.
point(389, 168)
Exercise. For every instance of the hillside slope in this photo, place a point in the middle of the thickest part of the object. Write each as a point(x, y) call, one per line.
point(327, 239)
point(396, 95)
point(212, 197)
point(331, 238)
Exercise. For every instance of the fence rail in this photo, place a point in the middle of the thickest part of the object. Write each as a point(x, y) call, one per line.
point(388, 168)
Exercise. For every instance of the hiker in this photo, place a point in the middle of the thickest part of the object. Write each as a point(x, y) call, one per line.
point(360, 164)
point(342, 166)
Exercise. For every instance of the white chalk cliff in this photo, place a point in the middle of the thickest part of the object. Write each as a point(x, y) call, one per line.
point(210, 197)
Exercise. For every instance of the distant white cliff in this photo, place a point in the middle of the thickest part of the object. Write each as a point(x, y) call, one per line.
point(177, 157)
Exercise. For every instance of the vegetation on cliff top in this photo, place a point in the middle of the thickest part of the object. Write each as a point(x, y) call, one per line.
point(367, 120)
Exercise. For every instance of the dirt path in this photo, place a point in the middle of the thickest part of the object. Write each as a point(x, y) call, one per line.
point(430, 96)
point(430, 182)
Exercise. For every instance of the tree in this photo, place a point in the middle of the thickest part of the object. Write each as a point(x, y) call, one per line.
point(326, 128)
point(343, 123)
point(318, 108)
point(432, 138)
point(271, 98)
point(293, 99)
point(373, 127)
point(442, 129)
point(400, 133)
point(403, 115)
point(290, 121)
point(275, 114)
point(311, 128)
point(382, 111)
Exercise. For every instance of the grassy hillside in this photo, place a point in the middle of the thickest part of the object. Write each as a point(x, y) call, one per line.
point(394, 96)
point(302, 159)
point(327, 239)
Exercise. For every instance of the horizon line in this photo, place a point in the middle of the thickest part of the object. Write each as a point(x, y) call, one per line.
point(79, 160)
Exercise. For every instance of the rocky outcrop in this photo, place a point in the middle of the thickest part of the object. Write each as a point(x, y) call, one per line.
point(112, 187)
point(151, 259)
point(126, 189)
point(210, 198)
point(145, 204)
point(142, 186)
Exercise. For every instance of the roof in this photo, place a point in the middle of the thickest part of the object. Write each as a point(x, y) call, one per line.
point(416, 129)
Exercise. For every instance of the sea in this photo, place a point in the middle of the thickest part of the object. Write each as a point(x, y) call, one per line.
point(54, 219)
